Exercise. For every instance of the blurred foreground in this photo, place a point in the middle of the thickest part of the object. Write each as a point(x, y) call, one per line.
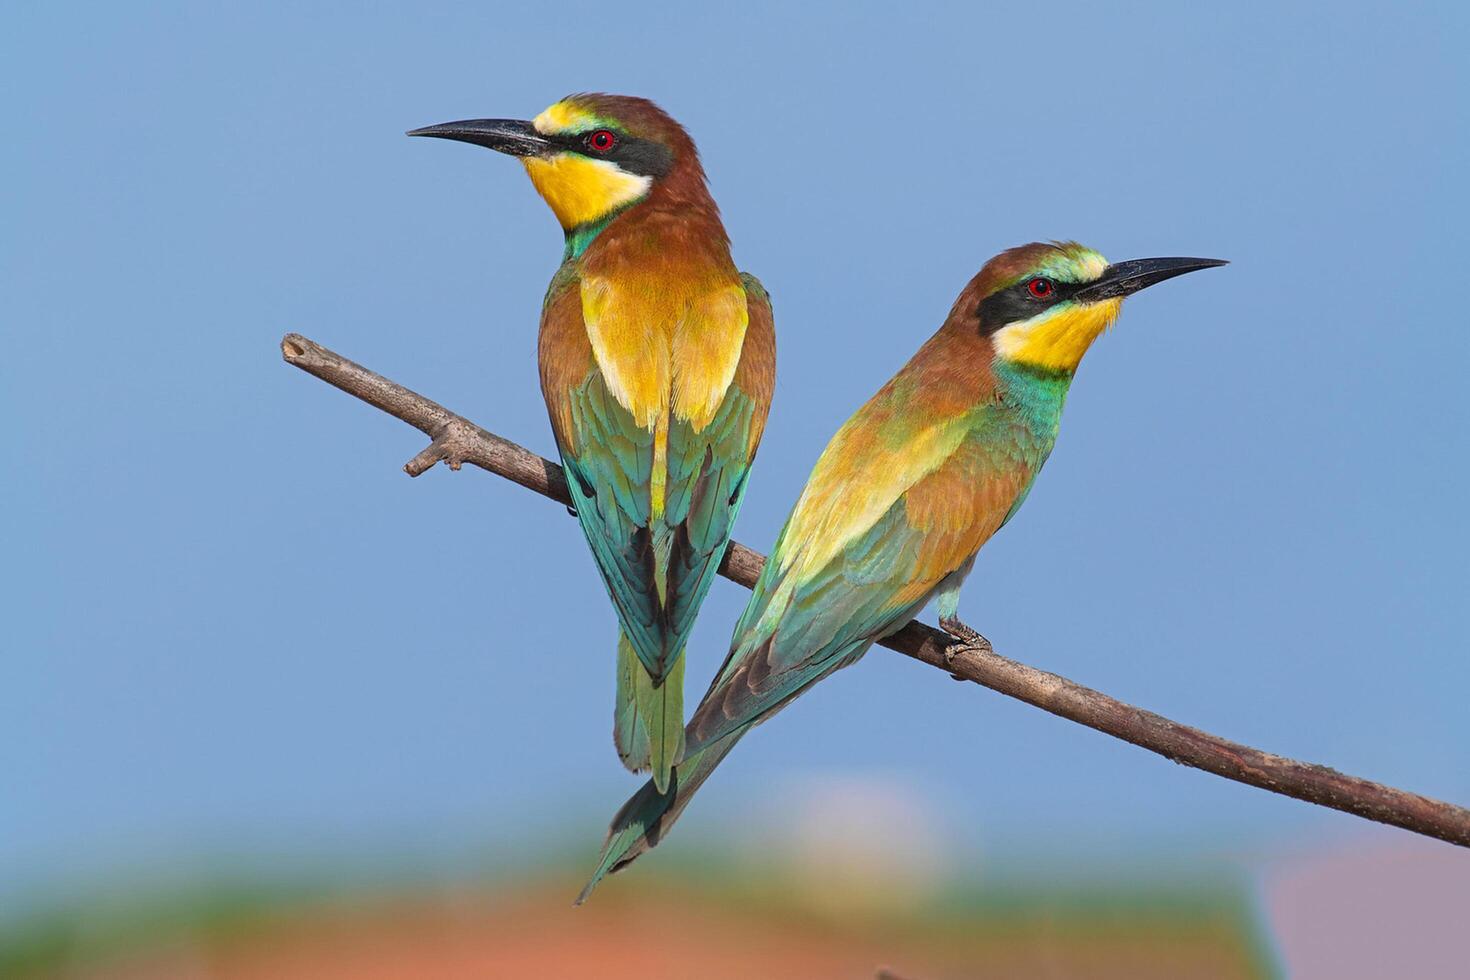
point(665, 926)
point(854, 880)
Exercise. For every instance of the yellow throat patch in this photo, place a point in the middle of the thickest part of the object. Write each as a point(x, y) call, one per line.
point(1057, 339)
point(581, 190)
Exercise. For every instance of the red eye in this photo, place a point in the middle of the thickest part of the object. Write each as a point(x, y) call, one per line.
point(1041, 288)
point(602, 140)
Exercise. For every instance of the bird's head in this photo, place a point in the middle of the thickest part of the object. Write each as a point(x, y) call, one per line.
point(1043, 304)
point(592, 156)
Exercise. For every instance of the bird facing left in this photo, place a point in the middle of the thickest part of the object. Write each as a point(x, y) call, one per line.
point(657, 359)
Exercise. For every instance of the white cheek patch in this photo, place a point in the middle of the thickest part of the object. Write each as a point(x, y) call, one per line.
point(1010, 340)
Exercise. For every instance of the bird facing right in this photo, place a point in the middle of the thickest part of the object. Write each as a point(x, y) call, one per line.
point(902, 498)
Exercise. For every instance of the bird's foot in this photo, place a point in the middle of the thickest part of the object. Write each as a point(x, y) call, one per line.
point(968, 639)
point(571, 511)
point(967, 635)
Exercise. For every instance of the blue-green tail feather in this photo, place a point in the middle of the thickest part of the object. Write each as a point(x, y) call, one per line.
point(647, 816)
point(630, 735)
point(648, 719)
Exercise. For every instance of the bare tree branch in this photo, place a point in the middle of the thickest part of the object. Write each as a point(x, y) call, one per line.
point(456, 441)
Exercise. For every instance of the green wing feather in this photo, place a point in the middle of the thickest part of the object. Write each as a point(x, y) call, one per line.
point(609, 476)
point(794, 633)
point(657, 572)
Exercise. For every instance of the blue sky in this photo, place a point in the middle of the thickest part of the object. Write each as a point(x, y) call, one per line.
point(235, 627)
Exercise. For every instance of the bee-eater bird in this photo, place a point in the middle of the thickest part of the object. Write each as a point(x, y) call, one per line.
point(902, 498)
point(657, 365)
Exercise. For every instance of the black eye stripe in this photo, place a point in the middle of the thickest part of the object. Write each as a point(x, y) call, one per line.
point(1015, 302)
point(637, 156)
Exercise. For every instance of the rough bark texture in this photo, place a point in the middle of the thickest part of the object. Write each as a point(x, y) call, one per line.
point(456, 441)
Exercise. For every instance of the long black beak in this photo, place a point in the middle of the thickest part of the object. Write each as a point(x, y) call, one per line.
point(1126, 278)
point(514, 136)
